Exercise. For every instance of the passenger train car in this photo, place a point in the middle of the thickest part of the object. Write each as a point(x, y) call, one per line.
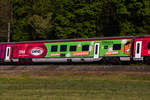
point(109, 49)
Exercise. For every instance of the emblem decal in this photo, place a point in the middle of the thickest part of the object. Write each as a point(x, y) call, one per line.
point(37, 51)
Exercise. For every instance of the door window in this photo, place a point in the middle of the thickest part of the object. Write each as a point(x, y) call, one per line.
point(8, 51)
point(96, 49)
point(138, 48)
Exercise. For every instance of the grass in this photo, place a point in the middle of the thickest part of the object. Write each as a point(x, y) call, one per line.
point(74, 87)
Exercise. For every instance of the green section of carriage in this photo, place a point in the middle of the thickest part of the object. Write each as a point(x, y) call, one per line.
point(121, 47)
point(75, 52)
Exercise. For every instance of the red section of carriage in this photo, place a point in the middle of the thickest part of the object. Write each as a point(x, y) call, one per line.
point(6, 51)
point(141, 47)
point(29, 50)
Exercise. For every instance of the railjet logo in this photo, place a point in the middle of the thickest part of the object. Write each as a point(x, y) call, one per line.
point(37, 51)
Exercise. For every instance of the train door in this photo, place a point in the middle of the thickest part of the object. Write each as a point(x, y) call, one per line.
point(138, 49)
point(96, 50)
point(8, 53)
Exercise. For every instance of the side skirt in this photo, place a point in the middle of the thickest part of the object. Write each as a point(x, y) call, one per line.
point(138, 59)
point(65, 59)
point(125, 58)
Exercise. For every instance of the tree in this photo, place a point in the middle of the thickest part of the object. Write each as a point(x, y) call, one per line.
point(137, 19)
point(40, 27)
point(31, 18)
point(75, 18)
point(4, 18)
point(61, 19)
point(107, 21)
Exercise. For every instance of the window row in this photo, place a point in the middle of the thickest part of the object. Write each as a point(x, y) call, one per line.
point(63, 48)
point(118, 46)
point(115, 47)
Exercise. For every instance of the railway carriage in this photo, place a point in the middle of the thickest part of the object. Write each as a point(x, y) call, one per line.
point(107, 50)
point(81, 50)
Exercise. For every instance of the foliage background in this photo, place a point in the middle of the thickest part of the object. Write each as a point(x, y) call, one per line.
point(62, 19)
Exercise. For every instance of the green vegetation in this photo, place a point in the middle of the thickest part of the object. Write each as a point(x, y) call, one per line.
point(61, 19)
point(74, 87)
point(4, 19)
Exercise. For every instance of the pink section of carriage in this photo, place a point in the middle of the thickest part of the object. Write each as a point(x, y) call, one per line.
point(3, 50)
point(29, 50)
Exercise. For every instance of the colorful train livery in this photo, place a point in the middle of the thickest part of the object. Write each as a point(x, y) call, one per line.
point(108, 49)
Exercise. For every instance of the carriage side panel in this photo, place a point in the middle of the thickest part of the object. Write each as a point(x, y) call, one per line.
point(29, 50)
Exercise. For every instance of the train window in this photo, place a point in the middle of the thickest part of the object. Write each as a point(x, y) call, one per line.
point(138, 48)
point(73, 48)
point(54, 48)
point(8, 51)
point(149, 45)
point(63, 48)
point(85, 48)
point(105, 47)
point(96, 49)
point(116, 46)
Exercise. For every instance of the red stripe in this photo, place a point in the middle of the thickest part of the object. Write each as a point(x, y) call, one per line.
point(56, 41)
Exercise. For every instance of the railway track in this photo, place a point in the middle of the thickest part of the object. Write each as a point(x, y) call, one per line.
point(86, 67)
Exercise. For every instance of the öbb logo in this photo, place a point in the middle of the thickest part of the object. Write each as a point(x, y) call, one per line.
point(37, 51)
